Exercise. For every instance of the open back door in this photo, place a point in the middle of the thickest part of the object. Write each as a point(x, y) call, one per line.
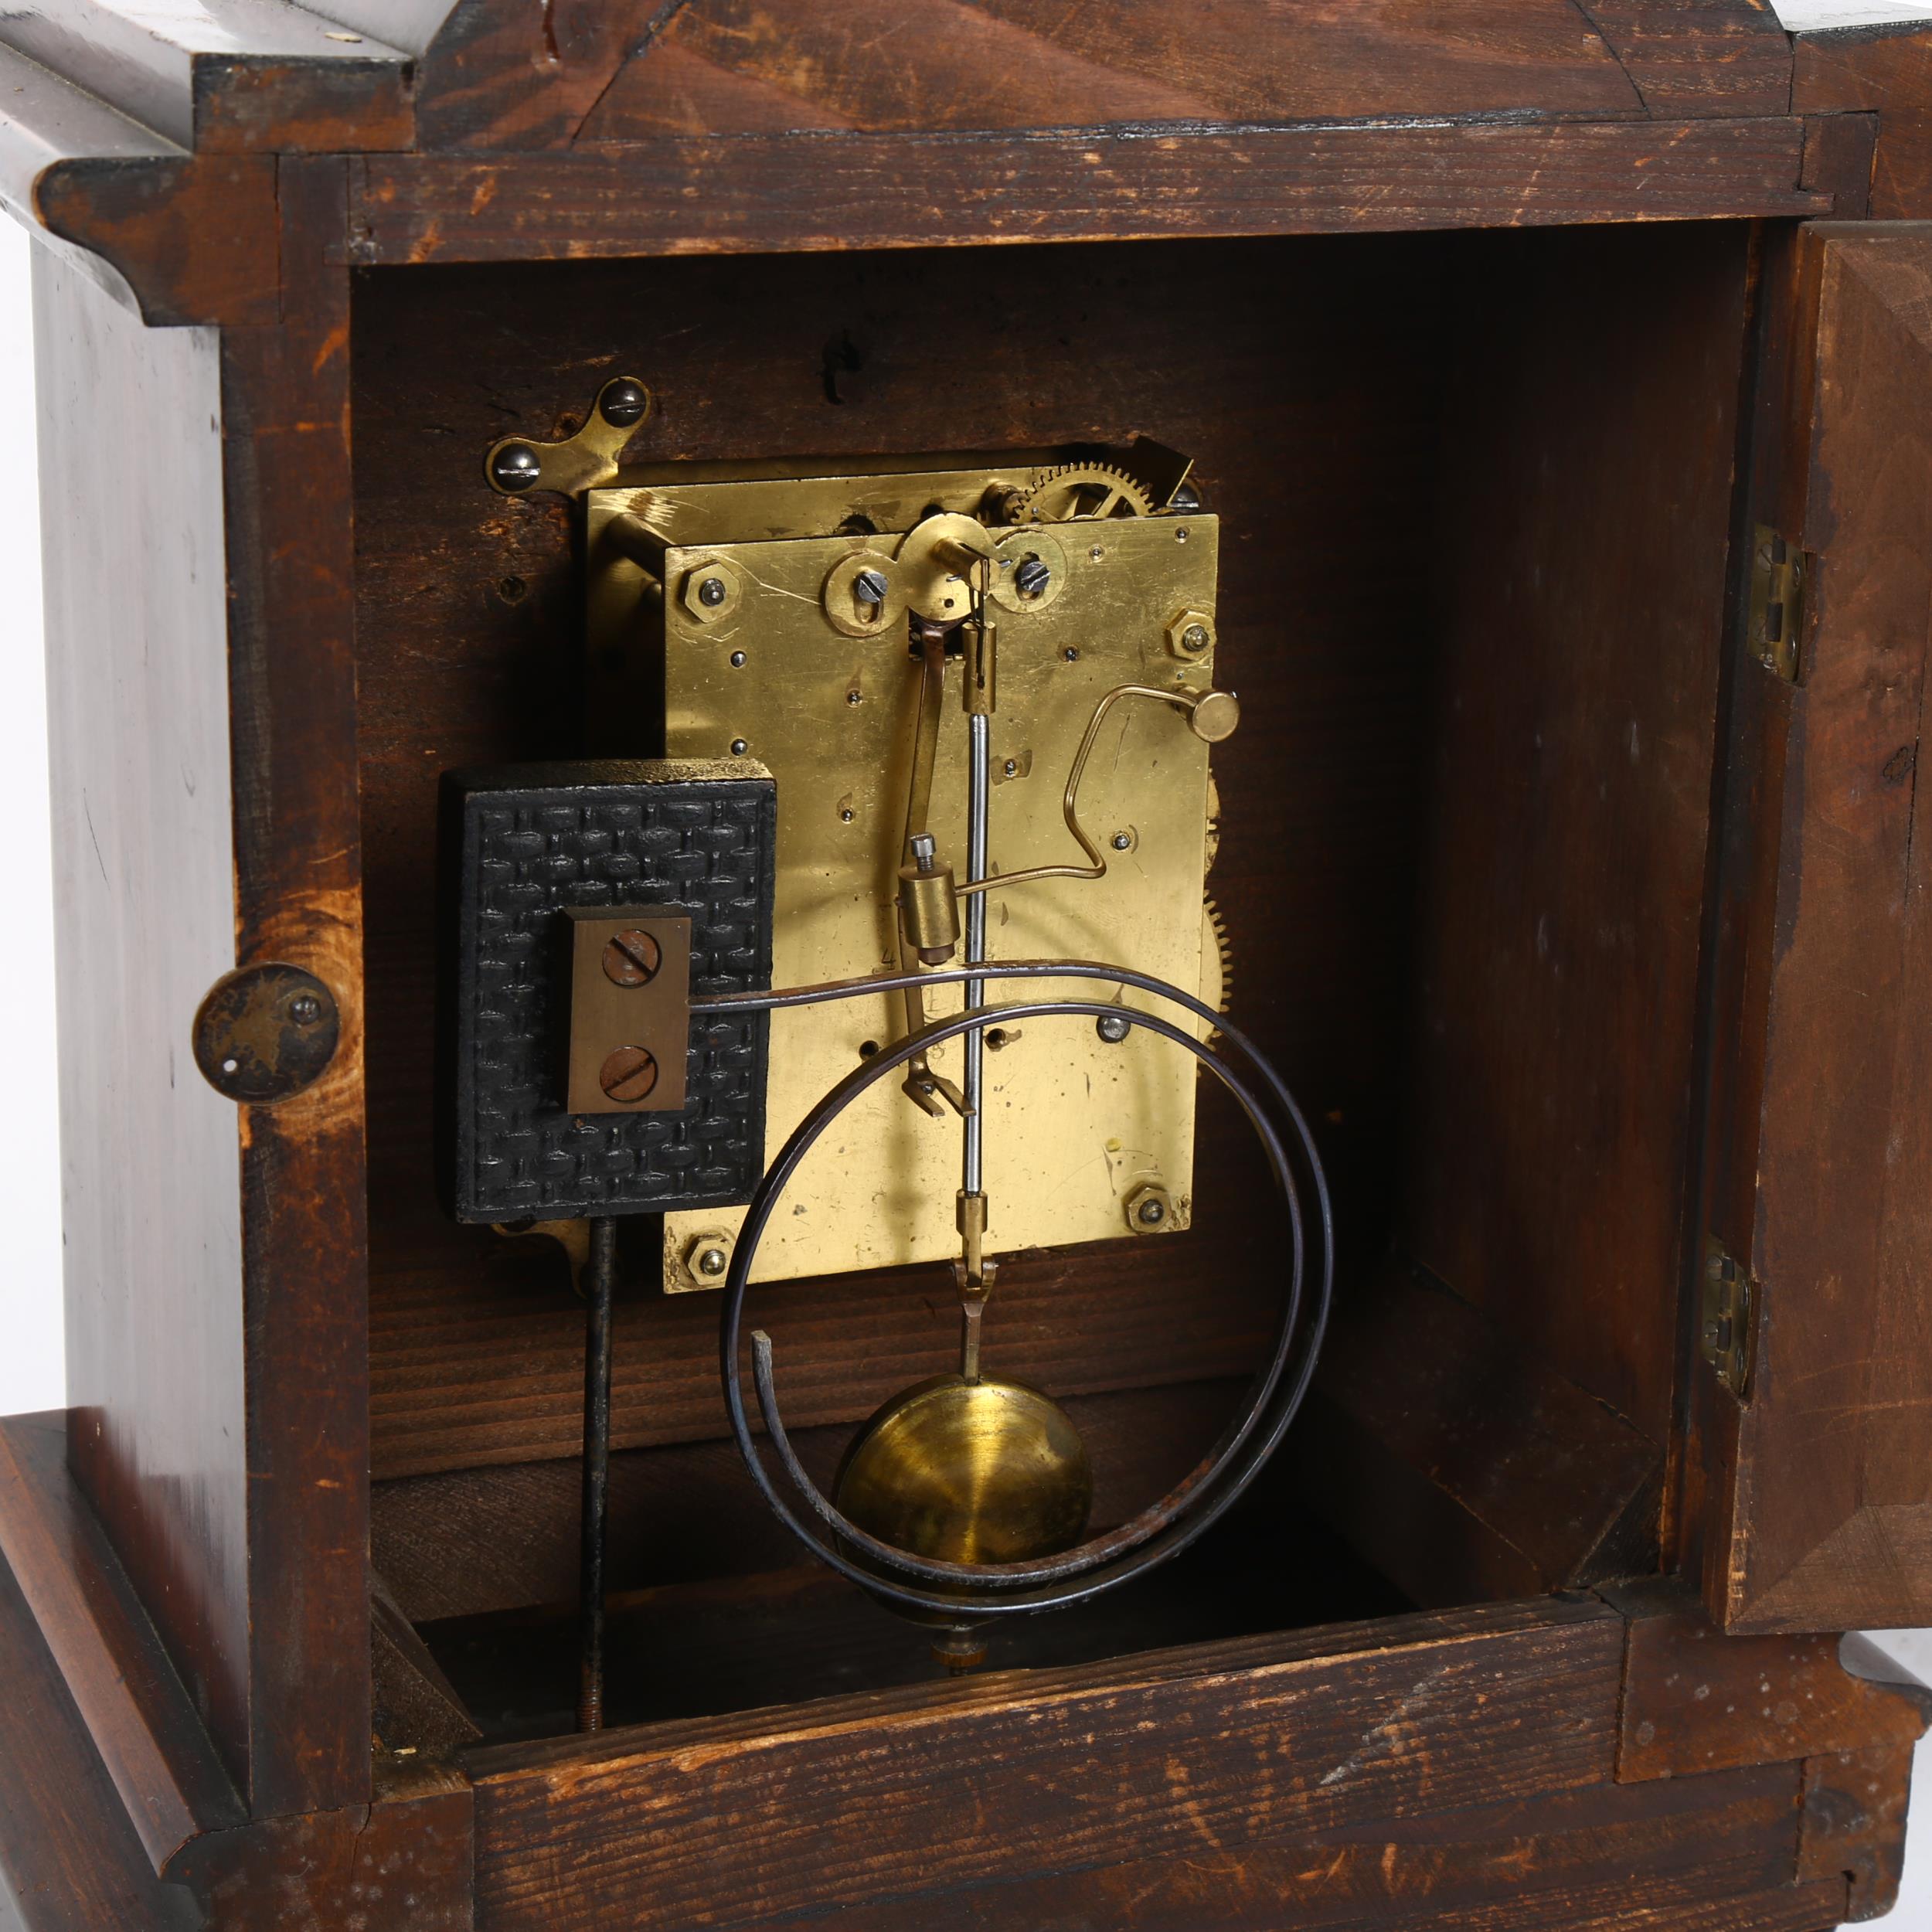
point(1810, 1469)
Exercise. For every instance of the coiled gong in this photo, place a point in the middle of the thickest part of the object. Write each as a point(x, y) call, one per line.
point(966, 1497)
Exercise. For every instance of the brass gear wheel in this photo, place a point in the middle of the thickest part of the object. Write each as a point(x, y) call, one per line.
point(1084, 491)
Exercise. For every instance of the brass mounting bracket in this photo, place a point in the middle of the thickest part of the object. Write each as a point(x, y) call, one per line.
point(519, 466)
point(630, 1009)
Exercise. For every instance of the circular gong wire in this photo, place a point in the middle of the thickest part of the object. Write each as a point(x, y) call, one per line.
point(1168, 1526)
point(1157, 1533)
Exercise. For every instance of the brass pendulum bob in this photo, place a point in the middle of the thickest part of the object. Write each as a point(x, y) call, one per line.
point(965, 1468)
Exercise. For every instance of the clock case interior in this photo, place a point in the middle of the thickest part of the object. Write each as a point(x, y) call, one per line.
point(1478, 571)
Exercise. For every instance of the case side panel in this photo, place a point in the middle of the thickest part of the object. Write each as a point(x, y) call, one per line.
point(137, 700)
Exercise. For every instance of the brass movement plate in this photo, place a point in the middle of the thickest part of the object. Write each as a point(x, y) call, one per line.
point(1075, 1125)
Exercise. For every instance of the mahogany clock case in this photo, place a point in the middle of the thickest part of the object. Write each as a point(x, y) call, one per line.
point(1572, 455)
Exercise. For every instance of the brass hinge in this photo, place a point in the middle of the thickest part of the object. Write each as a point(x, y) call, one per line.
point(1780, 571)
point(1727, 1317)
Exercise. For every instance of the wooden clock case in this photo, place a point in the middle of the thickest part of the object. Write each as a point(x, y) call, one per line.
point(1561, 373)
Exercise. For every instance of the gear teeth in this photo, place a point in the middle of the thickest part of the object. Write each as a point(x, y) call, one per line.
point(1070, 476)
point(1217, 964)
point(1224, 947)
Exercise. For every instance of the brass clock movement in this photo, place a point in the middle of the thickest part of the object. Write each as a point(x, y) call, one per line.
point(916, 757)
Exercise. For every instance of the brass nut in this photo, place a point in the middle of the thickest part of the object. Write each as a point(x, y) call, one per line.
point(707, 1257)
point(712, 591)
point(1150, 1209)
point(1190, 634)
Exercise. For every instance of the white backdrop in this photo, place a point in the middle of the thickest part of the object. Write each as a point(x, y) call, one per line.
point(31, 1367)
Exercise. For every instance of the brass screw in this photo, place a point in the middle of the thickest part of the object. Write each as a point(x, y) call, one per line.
point(515, 467)
point(631, 958)
point(623, 402)
point(629, 1074)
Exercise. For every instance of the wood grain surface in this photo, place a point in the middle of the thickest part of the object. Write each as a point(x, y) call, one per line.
point(143, 924)
point(1821, 1493)
point(71, 1859)
point(1585, 537)
point(290, 570)
point(1697, 1701)
point(1462, 1465)
point(847, 1801)
point(1705, 1855)
point(132, 1701)
point(224, 74)
point(1889, 72)
point(496, 77)
point(674, 195)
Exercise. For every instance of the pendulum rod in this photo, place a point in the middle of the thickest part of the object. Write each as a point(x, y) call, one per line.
point(600, 1286)
point(975, 1273)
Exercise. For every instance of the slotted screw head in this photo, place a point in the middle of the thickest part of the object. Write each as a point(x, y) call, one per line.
point(629, 1074)
point(631, 958)
point(623, 402)
point(870, 586)
point(1032, 578)
point(515, 467)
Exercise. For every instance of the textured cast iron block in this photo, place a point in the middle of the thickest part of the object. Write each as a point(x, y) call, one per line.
point(521, 842)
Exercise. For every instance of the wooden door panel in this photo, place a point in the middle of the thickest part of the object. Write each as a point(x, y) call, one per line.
point(1823, 1495)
